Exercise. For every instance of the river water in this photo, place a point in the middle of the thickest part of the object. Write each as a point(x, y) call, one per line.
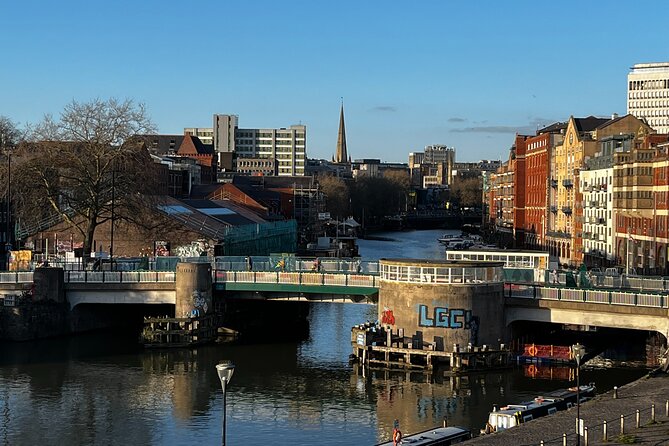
point(103, 389)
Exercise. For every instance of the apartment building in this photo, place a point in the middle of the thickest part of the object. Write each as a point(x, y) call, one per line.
point(648, 94)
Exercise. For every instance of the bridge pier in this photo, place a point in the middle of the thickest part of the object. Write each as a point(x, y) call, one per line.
point(193, 289)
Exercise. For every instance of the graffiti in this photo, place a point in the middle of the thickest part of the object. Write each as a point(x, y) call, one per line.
point(194, 249)
point(387, 316)
point(442, 317)
point(200, 305)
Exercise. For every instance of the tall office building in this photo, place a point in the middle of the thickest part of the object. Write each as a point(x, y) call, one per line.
point(648, 94)
point(224, 133)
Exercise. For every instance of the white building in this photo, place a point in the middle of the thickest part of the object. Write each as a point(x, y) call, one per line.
point(285, 147)
point(648, 94)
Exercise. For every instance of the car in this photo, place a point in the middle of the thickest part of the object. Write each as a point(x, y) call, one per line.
point(613, 272)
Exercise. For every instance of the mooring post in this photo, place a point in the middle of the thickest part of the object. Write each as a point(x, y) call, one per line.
point(638, 419)
point(585, 434)
point(652, 412)
point(622, 424)
point(605, 434)
point(564, 439)
point(615, 392)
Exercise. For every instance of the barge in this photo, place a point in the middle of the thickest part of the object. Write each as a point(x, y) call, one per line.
point(514, 414)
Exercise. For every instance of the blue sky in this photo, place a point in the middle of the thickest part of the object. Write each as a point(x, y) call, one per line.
point(464, 74)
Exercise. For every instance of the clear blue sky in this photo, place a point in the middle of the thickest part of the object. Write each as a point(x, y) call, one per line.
point(464, 74)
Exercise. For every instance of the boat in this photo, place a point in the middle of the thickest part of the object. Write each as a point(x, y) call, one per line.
point(514, 414)
point(440, 436)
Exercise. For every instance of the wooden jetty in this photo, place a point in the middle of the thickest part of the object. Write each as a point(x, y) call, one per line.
point(167, 332)
point(375, 346)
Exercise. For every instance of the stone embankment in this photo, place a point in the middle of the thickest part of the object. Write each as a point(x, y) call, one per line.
point(639, 396)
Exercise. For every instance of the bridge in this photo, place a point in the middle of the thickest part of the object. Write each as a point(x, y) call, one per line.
point(643, 308)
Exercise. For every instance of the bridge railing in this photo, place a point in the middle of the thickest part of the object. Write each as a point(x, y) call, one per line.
point(119, 276)
point(296, 278)
point(605, 297)
point(16, 277)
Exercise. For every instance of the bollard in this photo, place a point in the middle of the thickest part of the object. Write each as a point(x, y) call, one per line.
point(622, 424)
point(638, 419)
point(666, 409)
point(605, 434)
point(542, 443)
point(615, 392)
point(564, 439)
point(585, 434)
point(445, 422)
point(652, 413)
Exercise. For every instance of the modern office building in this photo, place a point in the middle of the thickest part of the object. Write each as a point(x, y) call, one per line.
point(648, 94)
point(258, 151)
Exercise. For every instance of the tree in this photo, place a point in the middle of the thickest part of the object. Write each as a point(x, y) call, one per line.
point(86, 168)
point(336, 196)
point(467, 192)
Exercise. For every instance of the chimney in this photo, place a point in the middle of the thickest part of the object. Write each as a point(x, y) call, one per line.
point(614, 116)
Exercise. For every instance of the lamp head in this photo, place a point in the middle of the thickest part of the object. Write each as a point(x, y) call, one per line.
point(578, 351)
point(225, 370)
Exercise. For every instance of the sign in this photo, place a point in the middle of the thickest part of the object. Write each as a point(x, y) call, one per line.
point(9, 300)
point(361, 339)
point(323, 215)
point(581, 427)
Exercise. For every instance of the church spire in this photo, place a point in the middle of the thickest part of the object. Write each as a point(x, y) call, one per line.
point(341, 155)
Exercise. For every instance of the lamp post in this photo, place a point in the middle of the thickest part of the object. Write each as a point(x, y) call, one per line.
point(224, 370)
point(577, 352)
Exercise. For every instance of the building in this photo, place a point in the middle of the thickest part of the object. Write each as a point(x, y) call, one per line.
point(206, 134)
point(648, 94)
point(341, 151)
point(563, 233)
point(281, 152)
point(432, 167)
point(537, 172)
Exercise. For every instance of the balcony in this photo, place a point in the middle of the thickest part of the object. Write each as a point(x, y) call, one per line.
point(601, 221)
point(554, 209)
point(568, 182)
point(554, 182)
point(566, 210)
point(558, 234)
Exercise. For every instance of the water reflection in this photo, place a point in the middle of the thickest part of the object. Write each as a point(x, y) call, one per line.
point(104, 389)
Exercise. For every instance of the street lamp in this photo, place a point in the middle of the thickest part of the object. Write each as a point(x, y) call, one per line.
point(577, 352)
point(224, 370)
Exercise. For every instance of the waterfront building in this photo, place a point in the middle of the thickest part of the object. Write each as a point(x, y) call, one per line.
point(502, 200)
point(432, 167)
point(565, 222)
point(537, 181)
point(648, 94)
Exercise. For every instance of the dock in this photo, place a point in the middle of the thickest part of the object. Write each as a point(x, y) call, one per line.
point(170, 332)
point(374, 346)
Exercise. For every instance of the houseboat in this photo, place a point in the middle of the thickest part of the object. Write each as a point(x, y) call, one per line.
point(514, 414)
point(440, 436)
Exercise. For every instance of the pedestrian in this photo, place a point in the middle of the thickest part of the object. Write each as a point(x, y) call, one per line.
point(281, 265)
point(249, 263)
point(358, 266)
point(554, 277)
point(318, 265)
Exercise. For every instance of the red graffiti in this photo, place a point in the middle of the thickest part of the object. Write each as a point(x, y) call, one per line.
point(387, 317)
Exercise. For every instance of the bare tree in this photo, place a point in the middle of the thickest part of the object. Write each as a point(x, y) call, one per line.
point(86, 168)
point(336, 196)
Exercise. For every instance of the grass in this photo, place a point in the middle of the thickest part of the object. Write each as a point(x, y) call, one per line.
point(626, 439)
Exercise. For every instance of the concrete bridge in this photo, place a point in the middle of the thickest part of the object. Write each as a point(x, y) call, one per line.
point(603, 307)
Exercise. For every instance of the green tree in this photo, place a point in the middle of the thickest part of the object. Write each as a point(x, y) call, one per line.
point(86, 168)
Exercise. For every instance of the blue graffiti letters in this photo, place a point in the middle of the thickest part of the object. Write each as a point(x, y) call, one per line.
point(441, 317)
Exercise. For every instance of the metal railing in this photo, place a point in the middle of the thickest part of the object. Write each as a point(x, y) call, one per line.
point(119, 276)
point(16, 277)
point(608, 297)
point(296, 278)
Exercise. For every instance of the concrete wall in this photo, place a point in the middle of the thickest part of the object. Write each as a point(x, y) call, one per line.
point(454, 314)
point(193, 289)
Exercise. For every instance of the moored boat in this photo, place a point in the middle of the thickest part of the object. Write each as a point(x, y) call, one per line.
point(440, 436)
point(514, 414)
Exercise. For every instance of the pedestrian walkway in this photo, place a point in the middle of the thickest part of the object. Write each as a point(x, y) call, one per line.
point(639, 396)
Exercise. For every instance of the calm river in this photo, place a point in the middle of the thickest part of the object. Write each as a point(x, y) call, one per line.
point(103, 389)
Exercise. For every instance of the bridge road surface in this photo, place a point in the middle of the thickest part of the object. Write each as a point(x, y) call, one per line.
point(639, 394)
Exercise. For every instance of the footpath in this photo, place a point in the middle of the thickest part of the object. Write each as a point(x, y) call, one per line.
point(638, 395)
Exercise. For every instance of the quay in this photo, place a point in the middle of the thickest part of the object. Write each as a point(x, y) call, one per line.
point(642, 397)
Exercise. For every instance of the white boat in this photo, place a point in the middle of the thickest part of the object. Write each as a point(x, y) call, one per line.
point(514, 414)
